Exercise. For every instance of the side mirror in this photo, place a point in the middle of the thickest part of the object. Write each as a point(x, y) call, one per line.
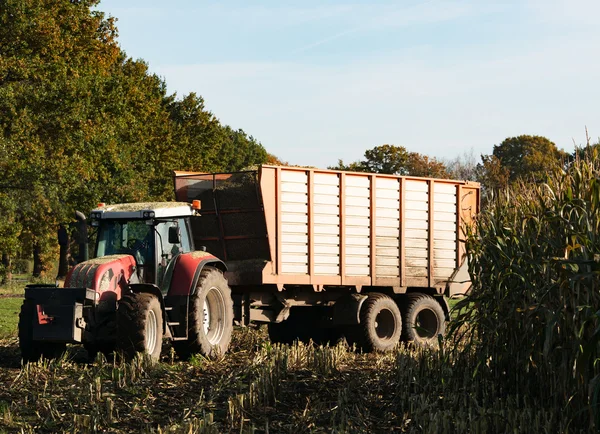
point(174, 235)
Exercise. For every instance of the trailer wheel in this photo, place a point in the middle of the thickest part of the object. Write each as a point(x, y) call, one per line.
point(380, 324)
point(424, 319)
point(32, 351)
point(210, 320)
point(139, 325)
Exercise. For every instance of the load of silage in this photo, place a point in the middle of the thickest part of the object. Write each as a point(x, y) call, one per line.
point(534, 310)
point(232, 225)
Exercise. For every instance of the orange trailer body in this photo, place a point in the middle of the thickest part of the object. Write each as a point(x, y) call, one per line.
point(288, 226)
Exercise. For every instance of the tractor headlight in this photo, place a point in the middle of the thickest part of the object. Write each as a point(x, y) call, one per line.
point(148, 214)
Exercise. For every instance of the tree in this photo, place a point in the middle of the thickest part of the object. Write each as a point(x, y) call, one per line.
point(528, 157)
point(203, 144)
point(395, 160)
point(388, 159)
point(422, 165)
point(492, 174)
point(275, 161)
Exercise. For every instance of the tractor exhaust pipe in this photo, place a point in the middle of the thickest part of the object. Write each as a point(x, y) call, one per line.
point(82, 232)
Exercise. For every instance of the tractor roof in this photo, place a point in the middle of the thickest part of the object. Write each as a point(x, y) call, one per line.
point(143, 210)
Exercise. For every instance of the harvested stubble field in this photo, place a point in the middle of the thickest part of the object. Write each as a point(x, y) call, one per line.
point(258, 387)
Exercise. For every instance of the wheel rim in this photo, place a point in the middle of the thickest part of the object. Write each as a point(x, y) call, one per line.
point(385, 324)
point(151, 326)
point(426, 324)
point(213, 311)
point(205, 318)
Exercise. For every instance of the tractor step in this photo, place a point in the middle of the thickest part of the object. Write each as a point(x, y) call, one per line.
point(168, 308)
point(173, 323)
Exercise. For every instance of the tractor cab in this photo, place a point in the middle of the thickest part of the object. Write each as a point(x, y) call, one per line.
point(153, 233)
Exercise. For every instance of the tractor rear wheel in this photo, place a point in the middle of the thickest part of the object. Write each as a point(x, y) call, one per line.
point(380, 324)
point(139, 325)
point(32, 351)
point(424, 319)
point(210, 317)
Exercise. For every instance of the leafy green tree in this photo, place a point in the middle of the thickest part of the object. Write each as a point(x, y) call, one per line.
point(529, 157)
point(203, 144)
point(388, 159)
point(395, 160)
point(492, 174)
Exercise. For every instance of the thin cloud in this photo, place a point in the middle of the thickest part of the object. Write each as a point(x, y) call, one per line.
point(421, 12)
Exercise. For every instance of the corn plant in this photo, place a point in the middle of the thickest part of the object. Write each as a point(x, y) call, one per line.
point(533, 314)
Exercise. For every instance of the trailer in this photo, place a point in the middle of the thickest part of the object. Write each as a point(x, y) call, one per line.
point(320, 254)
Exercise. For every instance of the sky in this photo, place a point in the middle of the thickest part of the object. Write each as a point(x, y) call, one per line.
point(318, 81)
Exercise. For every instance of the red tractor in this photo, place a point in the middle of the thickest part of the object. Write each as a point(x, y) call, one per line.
point(145, 283)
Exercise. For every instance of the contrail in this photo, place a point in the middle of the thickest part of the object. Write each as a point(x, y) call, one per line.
point(354, 30)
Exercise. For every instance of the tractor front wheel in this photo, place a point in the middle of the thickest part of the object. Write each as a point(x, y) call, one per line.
point(139, 325)
point(210, 317)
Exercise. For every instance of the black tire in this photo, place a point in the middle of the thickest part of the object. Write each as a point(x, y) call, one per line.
point(380, 325)
point(424, 319)
point(139, 325)
point(32, 351)
point(210, 320)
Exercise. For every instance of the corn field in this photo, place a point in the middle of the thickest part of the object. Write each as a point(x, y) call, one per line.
point(531, 322)
point(520, 355)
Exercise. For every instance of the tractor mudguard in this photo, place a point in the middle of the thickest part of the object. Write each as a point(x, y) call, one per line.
point(187, 271)
point(181, 284)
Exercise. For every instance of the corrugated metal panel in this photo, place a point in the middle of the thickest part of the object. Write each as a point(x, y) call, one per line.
point(416, 271)
point(355, 180)
point(294, 248)
point(416, 223)
point(294, 218)
point(445, 254)
point(386, 242)
point(444, 230)
point(327, 249)
point(357, 224)
point(387, 271)
point(326, 221)
point(356, 250)
point(294, 222)
point(330, 209)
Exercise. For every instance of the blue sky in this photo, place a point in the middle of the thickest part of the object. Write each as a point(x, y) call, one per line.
point(319, 81)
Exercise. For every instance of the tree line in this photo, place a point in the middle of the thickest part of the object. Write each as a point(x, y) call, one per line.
point(81, 122)
point(525, 157)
